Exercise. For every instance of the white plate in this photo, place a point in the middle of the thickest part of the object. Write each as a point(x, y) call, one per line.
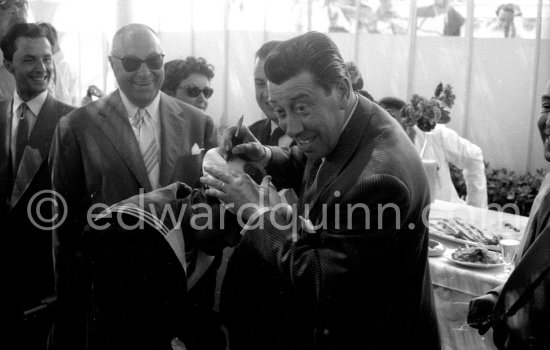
point(450, 238)
point(448, 255)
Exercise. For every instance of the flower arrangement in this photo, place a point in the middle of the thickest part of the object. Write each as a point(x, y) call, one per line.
point(427, 112)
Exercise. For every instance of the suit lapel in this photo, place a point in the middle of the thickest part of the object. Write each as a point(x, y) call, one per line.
point(347, 144)
point(534, 263)
point(37, 149)
point(266, 132)
point(116, 127)
point(171, 138)
point(5, 166)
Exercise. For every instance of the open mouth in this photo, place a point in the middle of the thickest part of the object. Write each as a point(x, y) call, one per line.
point(304, 142)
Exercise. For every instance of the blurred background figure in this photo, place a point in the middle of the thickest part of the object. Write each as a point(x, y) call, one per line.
point(357, 82)
point(439, 145)
point(63, 82)
point(189, 81)
point(441, 18)
point(508, 23)
point(266, 130)
point(93, 91)
point(11, 12)
point(386, 20)
point(393, 105)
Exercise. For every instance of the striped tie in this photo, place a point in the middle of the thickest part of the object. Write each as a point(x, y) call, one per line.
point(148, 145)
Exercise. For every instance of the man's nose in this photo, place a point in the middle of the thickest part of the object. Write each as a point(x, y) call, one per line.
point(292, 126)
point(40, 66)
point(16, 8)
point(143, 69)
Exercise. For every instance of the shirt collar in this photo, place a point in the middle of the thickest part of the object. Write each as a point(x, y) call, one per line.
point(273, 126)
point(131, 109)
point(348, 118)
point(35, 105)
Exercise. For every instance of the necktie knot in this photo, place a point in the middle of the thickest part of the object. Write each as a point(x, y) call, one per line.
point(139, 118)
point(23, 108)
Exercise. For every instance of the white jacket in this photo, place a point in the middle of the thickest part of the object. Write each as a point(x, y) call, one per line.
point(444, 145)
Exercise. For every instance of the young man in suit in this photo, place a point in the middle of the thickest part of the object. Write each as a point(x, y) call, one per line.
point(133, 140)
point(27, 124)
point(267, 130)
point(518, 310)
point(355, 272)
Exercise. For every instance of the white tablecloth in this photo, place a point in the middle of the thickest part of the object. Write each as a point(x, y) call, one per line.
point(455, 286)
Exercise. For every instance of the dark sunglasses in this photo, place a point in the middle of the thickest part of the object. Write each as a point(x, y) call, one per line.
point(7, 4)
point(193, 91)
point(132, 63)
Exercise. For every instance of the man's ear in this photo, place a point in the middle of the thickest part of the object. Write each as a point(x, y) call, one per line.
point(9, 66)
point(344, 91)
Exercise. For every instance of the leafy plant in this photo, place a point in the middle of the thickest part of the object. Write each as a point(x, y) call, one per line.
point(505, 187)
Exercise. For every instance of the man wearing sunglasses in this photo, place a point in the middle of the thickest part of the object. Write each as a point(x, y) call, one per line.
point(131, 141)
point(11, 12)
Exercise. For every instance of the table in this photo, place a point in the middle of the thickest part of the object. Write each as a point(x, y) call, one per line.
point(455, 286)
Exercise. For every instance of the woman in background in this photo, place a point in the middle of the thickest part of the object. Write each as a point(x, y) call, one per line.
point(189, 80)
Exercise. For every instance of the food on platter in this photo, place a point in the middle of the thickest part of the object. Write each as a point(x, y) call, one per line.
point(435, 248)
point(476, 255)
point(459, 229)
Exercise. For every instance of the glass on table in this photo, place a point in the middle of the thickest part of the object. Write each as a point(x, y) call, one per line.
point(509, 244)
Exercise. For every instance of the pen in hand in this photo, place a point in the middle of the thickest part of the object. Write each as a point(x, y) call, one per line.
point(235, 139)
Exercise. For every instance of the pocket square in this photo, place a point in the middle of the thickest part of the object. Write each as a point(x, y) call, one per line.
point(196, 150)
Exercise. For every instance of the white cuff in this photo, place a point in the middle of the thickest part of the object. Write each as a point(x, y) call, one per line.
point(264, 162)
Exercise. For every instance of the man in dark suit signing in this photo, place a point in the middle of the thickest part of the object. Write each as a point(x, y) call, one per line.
point(134, 140)
point(27, 124)
point(353, 253)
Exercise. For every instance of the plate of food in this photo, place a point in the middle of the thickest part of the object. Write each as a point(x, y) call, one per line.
point(474, 257)
point(458, 231)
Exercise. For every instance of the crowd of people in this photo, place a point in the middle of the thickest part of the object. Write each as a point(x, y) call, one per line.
point(114, 228)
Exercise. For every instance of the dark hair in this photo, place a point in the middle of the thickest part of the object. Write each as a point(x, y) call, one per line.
point(266, 48)
point(22, 30)
point(178, 70)
point(355, 76)
point(366, 94)
point(391, 102)
point(49, 28)
point(312, 52)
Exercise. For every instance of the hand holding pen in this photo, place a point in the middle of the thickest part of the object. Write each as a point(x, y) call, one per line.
point(238, 141)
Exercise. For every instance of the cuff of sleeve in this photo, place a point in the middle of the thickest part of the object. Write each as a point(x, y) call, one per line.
point(264, 162)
